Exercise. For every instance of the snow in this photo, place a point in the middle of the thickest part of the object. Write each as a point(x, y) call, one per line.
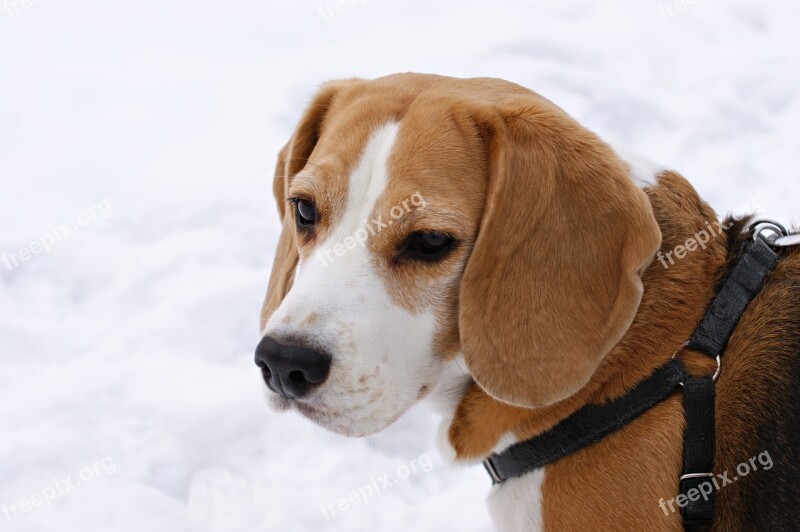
point(128, 396)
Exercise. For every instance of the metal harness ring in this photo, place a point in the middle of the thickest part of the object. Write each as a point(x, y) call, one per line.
point(719, 362)
point(777, 229)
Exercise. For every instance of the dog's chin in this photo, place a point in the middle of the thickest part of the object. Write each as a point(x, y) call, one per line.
point(350, 424)
point(345, 425)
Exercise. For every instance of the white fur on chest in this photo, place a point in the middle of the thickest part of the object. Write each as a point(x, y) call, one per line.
point(516, 504)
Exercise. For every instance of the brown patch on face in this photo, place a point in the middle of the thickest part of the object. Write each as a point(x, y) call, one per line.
point(433, 160)
point(323, 148)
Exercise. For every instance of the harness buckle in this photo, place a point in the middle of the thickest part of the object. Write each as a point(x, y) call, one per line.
point(786, 241)
point(697, 513)
point(688, 476)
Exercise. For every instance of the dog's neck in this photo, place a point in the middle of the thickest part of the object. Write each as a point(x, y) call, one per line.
point(676, 292)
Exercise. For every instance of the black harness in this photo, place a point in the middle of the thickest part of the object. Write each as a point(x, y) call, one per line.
point(595, 421)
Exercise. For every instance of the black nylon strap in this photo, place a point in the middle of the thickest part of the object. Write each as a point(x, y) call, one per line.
point(744, 282)
point(697, 483)
point(584, 427)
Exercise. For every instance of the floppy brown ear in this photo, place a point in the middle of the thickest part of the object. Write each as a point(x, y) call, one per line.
point(285, 261)
point(291, 159)
point(553, 281)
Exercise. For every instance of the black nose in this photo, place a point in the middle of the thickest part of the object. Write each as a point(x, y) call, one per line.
point(291, 370)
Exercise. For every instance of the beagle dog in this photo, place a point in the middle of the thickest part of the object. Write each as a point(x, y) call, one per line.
point(468, 241)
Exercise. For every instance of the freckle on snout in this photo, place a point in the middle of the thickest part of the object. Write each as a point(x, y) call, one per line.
point(422, 391)
point(310, 320)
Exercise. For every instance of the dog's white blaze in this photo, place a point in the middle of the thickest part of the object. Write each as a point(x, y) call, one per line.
point(516, 504)
point(381, 353)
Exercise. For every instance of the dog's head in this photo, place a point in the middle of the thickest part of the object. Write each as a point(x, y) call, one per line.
point(425, 217)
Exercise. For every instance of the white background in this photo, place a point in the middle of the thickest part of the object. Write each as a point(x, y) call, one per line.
point(133, 338)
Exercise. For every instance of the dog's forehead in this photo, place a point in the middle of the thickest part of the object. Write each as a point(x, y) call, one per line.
point(435, 156)
point(427, 154)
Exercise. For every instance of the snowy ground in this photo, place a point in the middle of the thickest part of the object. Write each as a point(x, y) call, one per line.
point(128, 396)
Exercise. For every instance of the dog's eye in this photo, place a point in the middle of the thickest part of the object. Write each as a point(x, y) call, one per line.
point(305, 213)
point(427, 246)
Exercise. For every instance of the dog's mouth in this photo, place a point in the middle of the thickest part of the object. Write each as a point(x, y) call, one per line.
point(280, 403)
point(353, 420)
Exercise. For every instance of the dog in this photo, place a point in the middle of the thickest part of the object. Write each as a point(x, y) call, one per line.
point(467, 241)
